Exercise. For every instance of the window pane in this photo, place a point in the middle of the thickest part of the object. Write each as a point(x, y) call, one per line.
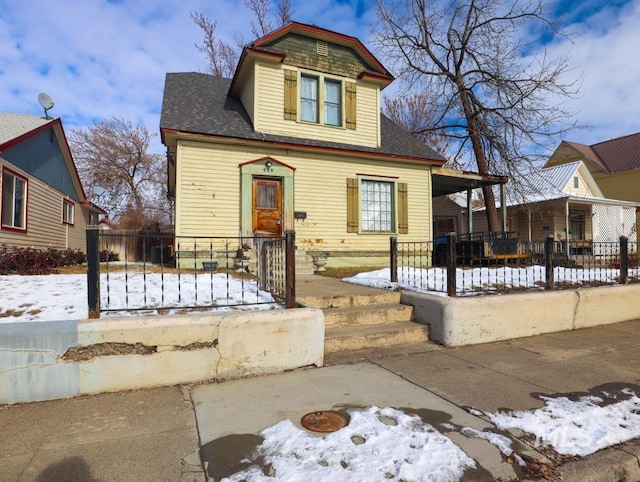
point(14, 200)
point(309, 99)
point(20, 202)
point(332, 103)
point(377, 205)
point(266, 196)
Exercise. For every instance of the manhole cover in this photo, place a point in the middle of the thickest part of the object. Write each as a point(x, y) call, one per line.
point(325, 421)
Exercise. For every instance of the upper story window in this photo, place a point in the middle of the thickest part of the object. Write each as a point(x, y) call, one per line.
point(14, 200)
point(309, 98)
point(333, 103)
point(67, 212)
point(319, 99)
point(576, 182)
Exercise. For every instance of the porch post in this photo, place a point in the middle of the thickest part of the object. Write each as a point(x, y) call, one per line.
point(469, 211)
point(503, 206)
point(566, 226)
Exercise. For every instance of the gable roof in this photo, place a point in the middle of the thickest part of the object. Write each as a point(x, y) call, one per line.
point(615, 155)
point(547, 184)
point(17, 128)
point(197, 103)
point(14, 126)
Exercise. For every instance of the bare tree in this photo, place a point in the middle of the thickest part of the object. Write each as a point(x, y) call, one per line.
point(114, 165)
point(489, 93)
point(222, 57)
point(416, 113)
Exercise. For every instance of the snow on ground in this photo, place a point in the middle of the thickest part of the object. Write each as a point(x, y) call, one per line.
point(579, 427)
point(378, 444)
point(64, 296)
point(387, 444)
point(434, 280)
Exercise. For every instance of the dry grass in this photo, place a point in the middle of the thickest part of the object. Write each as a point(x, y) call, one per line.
point(346, 272)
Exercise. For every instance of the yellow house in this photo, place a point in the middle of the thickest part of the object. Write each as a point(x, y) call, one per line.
point(614, 164)
point(43, 204)
point(296, 141)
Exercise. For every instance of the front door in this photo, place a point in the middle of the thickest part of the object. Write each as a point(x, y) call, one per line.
point(267, 206)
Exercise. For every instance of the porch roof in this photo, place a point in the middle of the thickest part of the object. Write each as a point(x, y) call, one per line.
point(449, 181)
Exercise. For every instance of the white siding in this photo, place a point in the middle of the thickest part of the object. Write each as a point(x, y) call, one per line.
point(208, 195)
point(269, 112)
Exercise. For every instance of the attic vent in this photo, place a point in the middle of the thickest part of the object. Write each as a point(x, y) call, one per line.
point(322, 48)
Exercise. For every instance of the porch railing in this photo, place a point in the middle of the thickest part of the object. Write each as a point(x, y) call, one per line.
point(474, 265)
point(156, 272)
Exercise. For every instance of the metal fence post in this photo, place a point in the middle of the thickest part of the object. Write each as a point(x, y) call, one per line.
point(290, 269)
point(451, 264)
point(548, 263)
point(393, 262)
point(93, 272)
point(624, 259)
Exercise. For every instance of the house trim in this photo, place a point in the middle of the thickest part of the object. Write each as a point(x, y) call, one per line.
point(193, 136)
point(26, 201)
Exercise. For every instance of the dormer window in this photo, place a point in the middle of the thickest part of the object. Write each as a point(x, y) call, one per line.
point(333, 103)
point(319, 99)
point(309, 98)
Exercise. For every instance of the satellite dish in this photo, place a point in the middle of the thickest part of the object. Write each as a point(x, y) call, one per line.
point(46, 102)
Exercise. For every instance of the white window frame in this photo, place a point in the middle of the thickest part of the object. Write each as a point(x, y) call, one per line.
point(379, 225)
point(9, 178)
point(320, 102)
point(68, 212)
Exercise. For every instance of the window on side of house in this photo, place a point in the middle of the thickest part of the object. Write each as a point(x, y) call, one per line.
point(576, 182)
point(309, 98)
point(377, 205)
point(68, 211)
point(332, 102)
point(14, 200)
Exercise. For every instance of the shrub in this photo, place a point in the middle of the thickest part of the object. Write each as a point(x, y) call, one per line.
point(110, 256)
point(30, 261)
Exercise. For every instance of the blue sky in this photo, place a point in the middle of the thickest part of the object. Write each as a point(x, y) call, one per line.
point(98, 58)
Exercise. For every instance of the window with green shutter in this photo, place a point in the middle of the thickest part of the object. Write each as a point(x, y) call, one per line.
point(290, 95)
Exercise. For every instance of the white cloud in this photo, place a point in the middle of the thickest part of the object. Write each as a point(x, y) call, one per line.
point(99, 58)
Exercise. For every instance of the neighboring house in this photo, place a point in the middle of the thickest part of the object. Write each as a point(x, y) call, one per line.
point(296, 141)
point(43, 204)
point(614, 164)
point(562, 201)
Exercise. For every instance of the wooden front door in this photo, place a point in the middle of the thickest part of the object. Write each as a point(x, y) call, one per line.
point(267, 206)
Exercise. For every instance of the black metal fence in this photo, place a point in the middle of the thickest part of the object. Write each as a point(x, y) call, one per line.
point(500, 263)
point(157, 272)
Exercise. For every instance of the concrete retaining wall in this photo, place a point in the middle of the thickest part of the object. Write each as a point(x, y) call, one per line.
point(60, 359)
point(482, 319)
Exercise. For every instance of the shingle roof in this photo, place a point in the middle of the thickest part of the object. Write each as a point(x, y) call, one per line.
point(615, 155)
point(198, 103)
point(13, 126)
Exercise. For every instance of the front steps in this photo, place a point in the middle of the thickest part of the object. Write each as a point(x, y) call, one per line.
point(367, 321)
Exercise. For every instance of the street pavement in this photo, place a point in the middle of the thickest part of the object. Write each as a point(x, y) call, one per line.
point(201, 432)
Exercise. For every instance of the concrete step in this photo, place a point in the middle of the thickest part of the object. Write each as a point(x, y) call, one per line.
point(340, 339)
point(367, 315)
point(339, 301)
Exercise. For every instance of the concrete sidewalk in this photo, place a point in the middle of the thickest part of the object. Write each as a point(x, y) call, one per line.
point(179, 433)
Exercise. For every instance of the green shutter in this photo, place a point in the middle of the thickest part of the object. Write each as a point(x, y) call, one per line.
point(350, 105)
point(403, 208)
point(290, 95)
point(352, 205)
